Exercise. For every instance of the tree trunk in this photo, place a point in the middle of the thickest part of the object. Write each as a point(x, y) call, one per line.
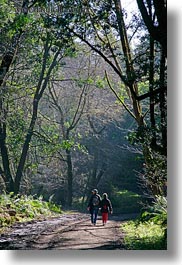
point(6, 172)
point(70, 177)
point(163, 104)
point(151, 89)
point(25, 148)
point(130, 72)
point(6, 62)
point(42, 84)
point(159, 32)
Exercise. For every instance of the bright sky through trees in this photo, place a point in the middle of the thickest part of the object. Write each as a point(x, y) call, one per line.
point(129, 4)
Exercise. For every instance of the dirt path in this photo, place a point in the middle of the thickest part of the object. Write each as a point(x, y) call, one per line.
point(69, 231)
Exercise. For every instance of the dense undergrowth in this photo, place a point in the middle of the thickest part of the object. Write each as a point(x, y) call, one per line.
point(149, 232)
point(24, 208)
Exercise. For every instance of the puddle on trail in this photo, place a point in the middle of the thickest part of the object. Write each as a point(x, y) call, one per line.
point(33, 228)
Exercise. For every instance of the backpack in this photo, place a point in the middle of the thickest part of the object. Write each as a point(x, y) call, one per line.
point(95, 200)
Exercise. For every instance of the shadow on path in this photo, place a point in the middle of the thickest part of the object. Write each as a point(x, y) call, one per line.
point(66, 232)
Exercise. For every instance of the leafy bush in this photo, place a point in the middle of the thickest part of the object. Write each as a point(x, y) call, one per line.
point(22, 208)
point(150, 231)
point(143, 236)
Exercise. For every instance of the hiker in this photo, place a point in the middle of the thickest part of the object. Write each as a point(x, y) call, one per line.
point(106, 207)
point(94, 205)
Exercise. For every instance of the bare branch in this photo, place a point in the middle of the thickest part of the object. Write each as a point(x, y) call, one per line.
point(93, 127)
point(115, 93)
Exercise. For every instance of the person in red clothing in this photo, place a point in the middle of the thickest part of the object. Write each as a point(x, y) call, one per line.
point(106, 207)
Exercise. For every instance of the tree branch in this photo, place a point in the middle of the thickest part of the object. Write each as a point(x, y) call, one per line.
point(115, 93)
point(93, 127)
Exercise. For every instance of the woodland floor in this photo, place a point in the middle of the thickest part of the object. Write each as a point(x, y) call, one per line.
point(68, 231)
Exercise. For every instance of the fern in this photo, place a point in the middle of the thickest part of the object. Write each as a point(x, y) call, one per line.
point(23, 208)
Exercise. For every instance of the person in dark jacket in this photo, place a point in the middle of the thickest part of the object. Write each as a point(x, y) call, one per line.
point(94, 205)
point(106, 207)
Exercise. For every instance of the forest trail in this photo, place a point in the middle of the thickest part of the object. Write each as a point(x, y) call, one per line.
point(69, 231)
